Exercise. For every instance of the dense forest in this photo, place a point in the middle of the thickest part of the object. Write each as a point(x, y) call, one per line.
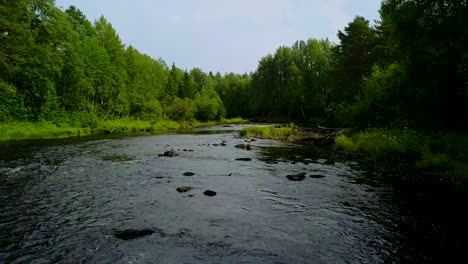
point(410, 69)
point(57, 65)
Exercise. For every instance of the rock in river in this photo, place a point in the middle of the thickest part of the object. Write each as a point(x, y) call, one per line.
point(244, 159)
point(184, 189)
point(209, 193)
point(132, 233)
point(297, 177)
point(244, 146)
point(189, 173)
point(169, 153)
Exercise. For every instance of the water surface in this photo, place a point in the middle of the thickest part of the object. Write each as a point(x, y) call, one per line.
point(63, 202)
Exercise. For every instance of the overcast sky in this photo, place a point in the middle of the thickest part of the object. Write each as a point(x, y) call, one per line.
point(222, 35)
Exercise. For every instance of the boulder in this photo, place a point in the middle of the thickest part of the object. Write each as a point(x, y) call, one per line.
point(188, 173)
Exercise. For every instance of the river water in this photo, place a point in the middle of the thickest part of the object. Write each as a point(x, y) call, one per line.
point(63, 201)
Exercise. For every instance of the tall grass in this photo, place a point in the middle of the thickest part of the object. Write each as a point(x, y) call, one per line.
point(48, 130)
point(269, 132)
point(41, 130)
point(235, 121)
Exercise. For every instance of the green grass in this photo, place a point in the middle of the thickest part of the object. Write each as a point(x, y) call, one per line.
point(345, 143)
point(47, 130)
point(269, 132)
point(382, 144)
point(42, 130)
point(77, 126)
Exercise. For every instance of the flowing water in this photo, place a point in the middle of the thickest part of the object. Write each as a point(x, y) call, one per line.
point(64, 201)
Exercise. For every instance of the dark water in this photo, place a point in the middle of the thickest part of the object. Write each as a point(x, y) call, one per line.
point(63, 202)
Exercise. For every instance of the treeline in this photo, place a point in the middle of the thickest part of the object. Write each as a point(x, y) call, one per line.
point(408, 70)
point(57, 65)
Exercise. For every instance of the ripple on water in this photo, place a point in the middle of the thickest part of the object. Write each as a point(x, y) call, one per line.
point(63, 204)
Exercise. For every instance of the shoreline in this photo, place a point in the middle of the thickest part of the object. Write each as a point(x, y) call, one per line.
point(25, 131)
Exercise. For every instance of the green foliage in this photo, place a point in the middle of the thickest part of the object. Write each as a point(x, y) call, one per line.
point(180, 109)
point(382, 99)
point(294, 82)
point(429, 38)
point(11, 105)
point(269, 132)
point(55, 63)
point(209, 106)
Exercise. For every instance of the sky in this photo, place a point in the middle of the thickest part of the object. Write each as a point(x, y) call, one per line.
point(222, 35)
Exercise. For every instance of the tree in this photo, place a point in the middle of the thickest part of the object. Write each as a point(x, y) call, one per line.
point(431, 40)
point(354, 58)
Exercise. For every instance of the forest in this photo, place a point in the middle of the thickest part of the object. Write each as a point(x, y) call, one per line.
point(405, 76)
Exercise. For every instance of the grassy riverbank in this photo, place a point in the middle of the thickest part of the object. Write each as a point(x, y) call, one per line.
point(49, 130)
point(442, 154)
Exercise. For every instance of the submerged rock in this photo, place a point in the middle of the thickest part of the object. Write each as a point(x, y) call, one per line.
point(133, 233)
point(244, 159)
point(244, 146)
point(188, 173)
point(169, 153)
point(184, 189)
point(297, 177)
point(317, 176)
point(209, 193)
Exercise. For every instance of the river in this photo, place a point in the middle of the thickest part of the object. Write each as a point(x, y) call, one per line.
point(64, 201)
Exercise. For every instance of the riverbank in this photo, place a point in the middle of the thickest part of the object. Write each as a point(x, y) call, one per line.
point(292, 133)
point(443, 156)
point(47, 130)
point(390, 151)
